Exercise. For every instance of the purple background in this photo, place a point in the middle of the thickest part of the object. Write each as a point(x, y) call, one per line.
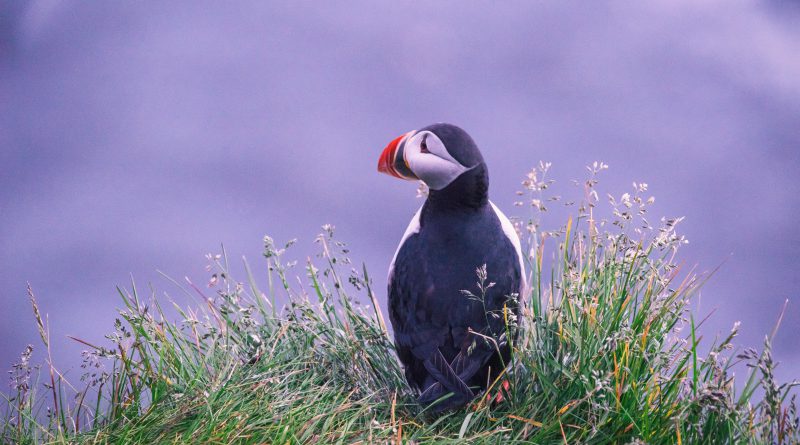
point(140, 136)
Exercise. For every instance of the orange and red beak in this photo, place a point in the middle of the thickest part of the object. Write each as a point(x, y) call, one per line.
point(392, 160)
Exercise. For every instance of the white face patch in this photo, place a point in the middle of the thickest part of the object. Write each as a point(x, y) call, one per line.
point(427, 157)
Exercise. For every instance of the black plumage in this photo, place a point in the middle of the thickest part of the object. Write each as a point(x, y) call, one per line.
point(459, 232)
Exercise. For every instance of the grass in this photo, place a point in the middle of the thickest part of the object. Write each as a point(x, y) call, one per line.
point(607, 352)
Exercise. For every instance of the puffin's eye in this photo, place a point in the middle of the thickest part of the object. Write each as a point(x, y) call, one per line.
point(423, 146)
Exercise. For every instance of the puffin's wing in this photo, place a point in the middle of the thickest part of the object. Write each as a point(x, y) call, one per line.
point(464, 366)
point(438, 367)
point(506, 270)
point(417, 336)
point(421, 334)
point(414, 327)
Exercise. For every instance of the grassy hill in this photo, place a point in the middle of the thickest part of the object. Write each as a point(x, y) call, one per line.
point(607, 352)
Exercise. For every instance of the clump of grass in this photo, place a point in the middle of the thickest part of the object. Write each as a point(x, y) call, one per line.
point(607, 352)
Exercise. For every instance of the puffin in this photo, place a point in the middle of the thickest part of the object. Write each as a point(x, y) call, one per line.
point(450, 327)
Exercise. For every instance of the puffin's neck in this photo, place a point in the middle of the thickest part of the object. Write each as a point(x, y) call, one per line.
point(468, 191)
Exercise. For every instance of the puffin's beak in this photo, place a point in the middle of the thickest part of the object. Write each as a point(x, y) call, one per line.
point(392, 162)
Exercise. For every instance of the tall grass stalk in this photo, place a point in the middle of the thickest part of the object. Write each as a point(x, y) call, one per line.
point(606, 352)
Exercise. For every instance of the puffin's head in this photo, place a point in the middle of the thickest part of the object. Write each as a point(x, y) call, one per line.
point(436, 154)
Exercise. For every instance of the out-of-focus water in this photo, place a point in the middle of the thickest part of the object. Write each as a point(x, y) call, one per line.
point(138, 137)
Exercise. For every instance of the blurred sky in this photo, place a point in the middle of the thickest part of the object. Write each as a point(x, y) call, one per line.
point(137, 137)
